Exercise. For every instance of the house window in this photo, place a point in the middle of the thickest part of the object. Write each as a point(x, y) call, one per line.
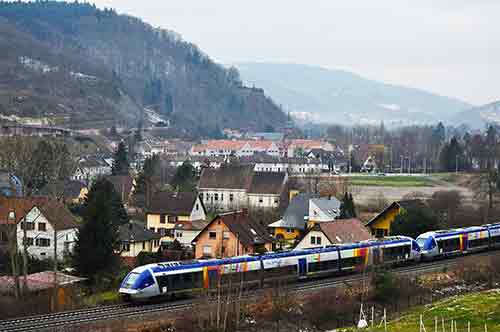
point(3, 237)
point(143, 245)
point(162, 231)
point(261, 200)
point(226, 235)
point(162, 219)
point(29, 226)
point(216, 197)
point(313, 239)
point(29, 241)
point(276, 200)
point(66, 246)
point(172, 219)
point(42, 227)
point(152, 229)
point(126, 247)
point(212, 235)
point(179, 234)
point(207, 250)
point(318, 240)
point(222, 197)
point(201, 196)
point(289, 230)
point(231, 197)
point(197, 207)
point(42, 242)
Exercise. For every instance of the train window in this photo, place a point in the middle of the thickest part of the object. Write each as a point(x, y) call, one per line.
point(323, 266)
point(351, 262)
point(449, 245)
point(479, 243)
point(495, 239)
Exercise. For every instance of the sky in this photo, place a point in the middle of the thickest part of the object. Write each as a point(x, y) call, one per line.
point(450, 47)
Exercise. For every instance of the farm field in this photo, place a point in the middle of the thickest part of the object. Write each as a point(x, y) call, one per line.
point(477, 308)
point(392, 181)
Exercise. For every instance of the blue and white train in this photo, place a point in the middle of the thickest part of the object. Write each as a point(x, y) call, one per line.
point(459, 241)
point(175, 278)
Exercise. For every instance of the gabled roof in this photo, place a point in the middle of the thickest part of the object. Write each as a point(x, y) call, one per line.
point(58, 215)
point(329, 206)
point(20, 207)
point(194, 225)
point(248, 232)
point(230, 177)
point(296, 214)
point(135, 232)
point(405, 204)
point(267, 183)
point(169, 203)
point(344, 231)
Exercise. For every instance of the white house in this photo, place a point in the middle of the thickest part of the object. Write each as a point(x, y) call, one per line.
point(186, 231)
point(47, 224)
point(236, 187)
point(90, 168)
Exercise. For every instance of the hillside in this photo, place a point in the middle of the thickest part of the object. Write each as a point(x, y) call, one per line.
point(343, 97)
point(72, 64)
point(479, 117)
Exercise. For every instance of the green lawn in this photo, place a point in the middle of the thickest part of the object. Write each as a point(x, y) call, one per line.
point(391, 181)
point(476, 308)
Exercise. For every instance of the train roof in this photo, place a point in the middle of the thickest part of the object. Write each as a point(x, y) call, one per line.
point(173, 266)
point(456, 231)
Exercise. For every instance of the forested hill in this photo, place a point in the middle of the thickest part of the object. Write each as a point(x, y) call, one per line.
point(77, 65)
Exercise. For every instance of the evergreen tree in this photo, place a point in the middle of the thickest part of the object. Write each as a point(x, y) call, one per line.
point(120, 160)
point(347, 208)
point(452, 156)
point(184, 178)
point(414, 221)
point(97, 239)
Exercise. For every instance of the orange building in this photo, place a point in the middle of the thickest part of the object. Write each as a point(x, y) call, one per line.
point(232, 234)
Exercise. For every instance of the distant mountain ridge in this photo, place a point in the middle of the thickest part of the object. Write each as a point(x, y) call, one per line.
point(339, 96)
point(71, 64)
point(479, 117)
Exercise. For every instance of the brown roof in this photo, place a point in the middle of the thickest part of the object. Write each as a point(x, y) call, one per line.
point(344, 231)
point(173, 203)
point(58, 215)
point(20, 206)
point(248, 232)
point(191, 225)
point(267, 183)
point(230, 177)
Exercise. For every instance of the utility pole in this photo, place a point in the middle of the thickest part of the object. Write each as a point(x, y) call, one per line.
point(401, 168)
point(456, 164)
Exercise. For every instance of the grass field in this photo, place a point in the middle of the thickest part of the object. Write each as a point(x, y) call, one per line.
point(391, 181)
point(477, 308)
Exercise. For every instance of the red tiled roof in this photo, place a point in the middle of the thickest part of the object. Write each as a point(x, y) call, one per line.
point(345, 231)
point(20, 206)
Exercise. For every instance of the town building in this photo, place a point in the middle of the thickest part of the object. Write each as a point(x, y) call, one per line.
point(303, 212)
point(380, 225)
point(169, 209)
point(90, 168)
point(232, 234)
point(70, 191)
point(186, 231)
point(136, 238)
point(238, 148)
point(42, 223)
point(235, 187)
point(340, 231)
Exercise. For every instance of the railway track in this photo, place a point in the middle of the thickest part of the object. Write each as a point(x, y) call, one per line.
point(102, 313)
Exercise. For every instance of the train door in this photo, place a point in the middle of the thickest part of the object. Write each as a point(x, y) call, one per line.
point(377, 258)
point(302, 268)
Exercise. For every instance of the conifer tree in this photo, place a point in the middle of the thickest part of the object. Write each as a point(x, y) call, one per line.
point(120, 160)
point(97, 241)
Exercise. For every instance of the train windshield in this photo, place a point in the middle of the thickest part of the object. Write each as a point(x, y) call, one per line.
point(129, 282)
point(421, 242)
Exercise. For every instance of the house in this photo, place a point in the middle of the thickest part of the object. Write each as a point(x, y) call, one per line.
point(334, 232)
point(303, 212)
point(380, 225)
point(124, 186)
point(267, 190)
point(90, 168)
point(238, 148)
point(186, 231)
point(70, 191)
point(232, 234)
point(168, 209)
point(225, 188)
point(45, 221)
point(302, 147)
point(136, 238)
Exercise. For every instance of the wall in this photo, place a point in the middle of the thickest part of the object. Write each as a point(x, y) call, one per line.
point(306, 241)
point(153, 221)
point(137, 247)
point(268, 201)
point(198, 213)
point(240, 199)
point(220, 247)
point(384, 222)
point(295, 233)
point(65, 238)
point(187, 236)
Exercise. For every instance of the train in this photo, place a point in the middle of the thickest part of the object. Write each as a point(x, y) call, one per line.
point(172, 279)
point(458, 241)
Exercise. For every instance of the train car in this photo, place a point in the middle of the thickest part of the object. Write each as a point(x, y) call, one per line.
point(172, 279)
point(494, 232)
point(444, 243)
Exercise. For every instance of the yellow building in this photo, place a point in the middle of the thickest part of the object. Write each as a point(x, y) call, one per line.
point(135, 238)
point(380, 225)
point(168, 209)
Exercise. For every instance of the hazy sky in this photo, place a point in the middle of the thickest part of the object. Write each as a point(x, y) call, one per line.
point(451, 47)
